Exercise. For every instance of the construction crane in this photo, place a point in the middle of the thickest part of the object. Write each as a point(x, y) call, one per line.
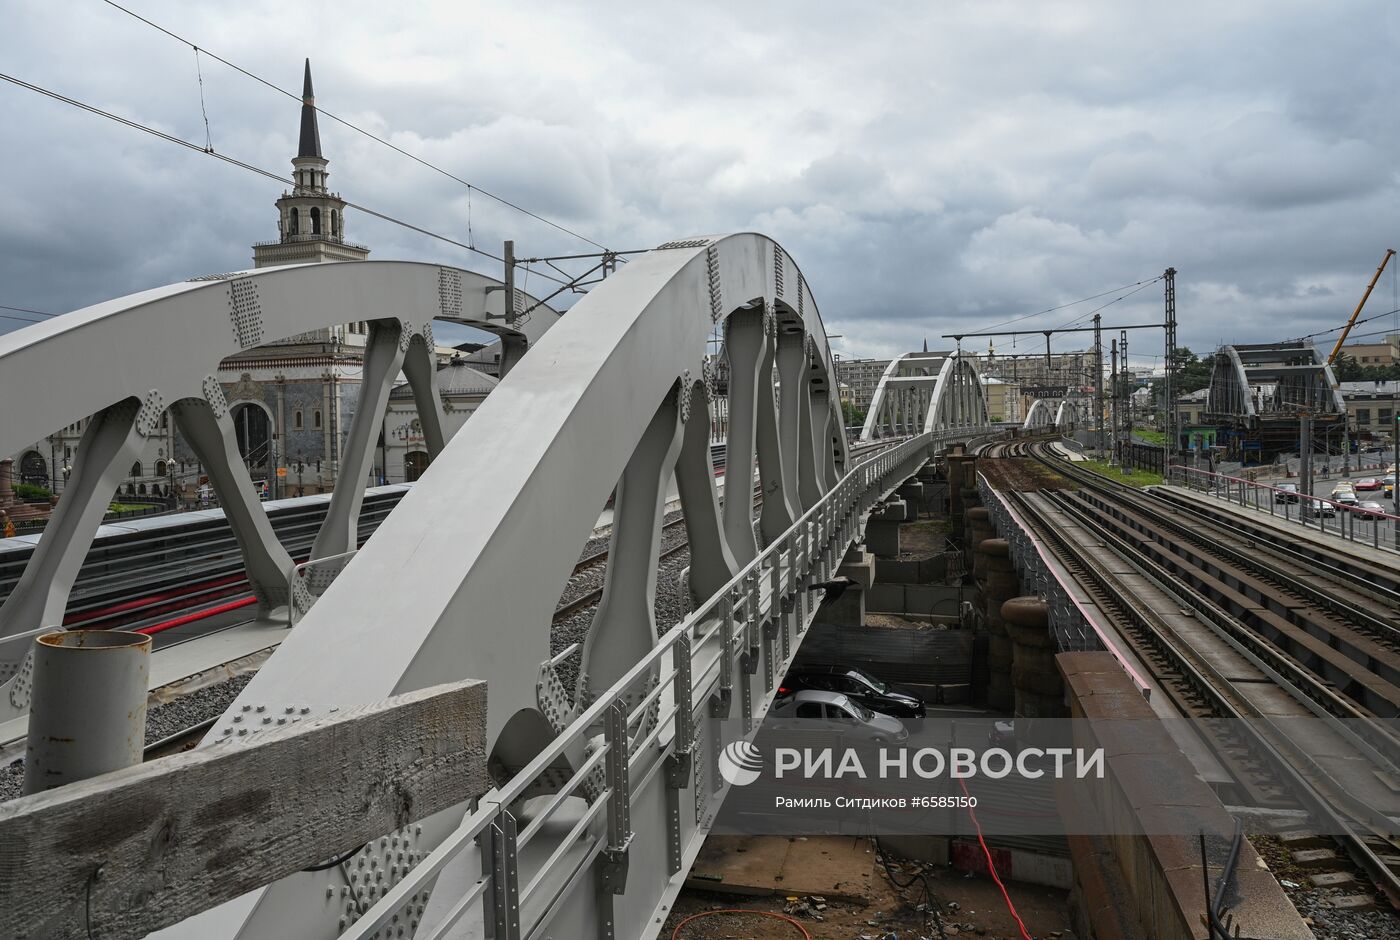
point(1357, 312)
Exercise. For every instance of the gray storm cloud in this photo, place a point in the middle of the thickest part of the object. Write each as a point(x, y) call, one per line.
point(932, 167)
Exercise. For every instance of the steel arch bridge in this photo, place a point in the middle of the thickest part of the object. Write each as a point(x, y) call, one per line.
point(1064, 415)
point(926, 391)
point(461, 580)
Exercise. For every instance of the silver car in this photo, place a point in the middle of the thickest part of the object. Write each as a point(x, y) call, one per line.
point(828, 712)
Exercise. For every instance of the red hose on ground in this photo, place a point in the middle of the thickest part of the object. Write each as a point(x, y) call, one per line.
point(738, 910)
point(197, 615)
point(991, 866)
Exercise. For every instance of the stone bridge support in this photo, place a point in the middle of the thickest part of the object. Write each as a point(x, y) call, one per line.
point(1038, 687)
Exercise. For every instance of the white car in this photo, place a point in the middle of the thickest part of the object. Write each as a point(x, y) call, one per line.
point(815, 710)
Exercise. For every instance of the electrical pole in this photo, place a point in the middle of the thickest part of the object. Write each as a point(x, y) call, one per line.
point(1113, 398)
point(509, 261)
point(1305, 476)
point(1169, 386)
point(1126, 448)
point(1098, 382)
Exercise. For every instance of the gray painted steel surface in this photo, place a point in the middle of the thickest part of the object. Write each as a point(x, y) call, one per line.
point(186, 330)
point(604, 791)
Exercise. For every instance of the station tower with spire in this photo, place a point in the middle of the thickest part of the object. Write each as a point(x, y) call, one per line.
point(310, 218)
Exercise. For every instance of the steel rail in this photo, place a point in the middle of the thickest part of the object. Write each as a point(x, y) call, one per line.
point(1214, 685)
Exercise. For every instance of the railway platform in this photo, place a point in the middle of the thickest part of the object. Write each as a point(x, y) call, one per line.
point(1379, 552)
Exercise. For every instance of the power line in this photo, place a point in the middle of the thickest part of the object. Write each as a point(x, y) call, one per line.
point(1357, 323)
point(1115, 300)
point(27, 310)
point(1074, 302)
point(360, 130)
point(171, 138)
point(12, 316)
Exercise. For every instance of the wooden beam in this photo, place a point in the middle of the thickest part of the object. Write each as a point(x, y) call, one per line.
point(180, 835)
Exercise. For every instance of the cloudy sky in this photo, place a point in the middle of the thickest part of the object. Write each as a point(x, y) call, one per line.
point(934, 167)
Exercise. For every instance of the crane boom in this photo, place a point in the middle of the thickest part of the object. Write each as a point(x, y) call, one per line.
point(1357, 312)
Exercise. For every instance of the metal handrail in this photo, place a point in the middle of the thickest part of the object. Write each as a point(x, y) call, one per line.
point(1233, 489)
point(297, 570)
point(812, 531)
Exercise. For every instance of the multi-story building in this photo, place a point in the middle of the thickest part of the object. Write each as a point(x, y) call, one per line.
point(1003, 400)
point(861, 376)
point(291, 400)
point(1371, 407)
point(1384, 353)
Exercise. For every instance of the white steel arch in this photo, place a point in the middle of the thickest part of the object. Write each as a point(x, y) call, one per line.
point(926, 391)
point(468, 568)
point(1065, 414)
point(615, 758)
point(194, 325)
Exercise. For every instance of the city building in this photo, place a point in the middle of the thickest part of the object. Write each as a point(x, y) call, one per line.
point(1384, 353)
point(861, 376)
point(404, 450)
point(292, 399)
point(1371, 408)
point(1003, 400)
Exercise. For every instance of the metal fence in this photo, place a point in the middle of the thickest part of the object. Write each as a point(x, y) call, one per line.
point(1330, 516)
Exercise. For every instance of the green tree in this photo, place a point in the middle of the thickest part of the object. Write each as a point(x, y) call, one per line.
point(1192, 373)
point(1346, 369)
point(852, 415)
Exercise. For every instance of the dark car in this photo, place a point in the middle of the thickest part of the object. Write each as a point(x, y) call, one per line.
point(1370, 510)
point(856, 684)
point(1317, 507)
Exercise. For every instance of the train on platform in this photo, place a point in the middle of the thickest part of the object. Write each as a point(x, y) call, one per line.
point(145, 573)
point(156, 573)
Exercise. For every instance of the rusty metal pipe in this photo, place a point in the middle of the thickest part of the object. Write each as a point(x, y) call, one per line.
point(88, 711)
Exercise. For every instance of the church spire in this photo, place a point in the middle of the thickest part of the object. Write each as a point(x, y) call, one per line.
point(310, 135)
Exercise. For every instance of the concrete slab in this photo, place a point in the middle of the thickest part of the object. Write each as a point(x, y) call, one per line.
point(840, 867)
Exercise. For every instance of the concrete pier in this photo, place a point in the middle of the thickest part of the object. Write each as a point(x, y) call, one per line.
point(1034, 676)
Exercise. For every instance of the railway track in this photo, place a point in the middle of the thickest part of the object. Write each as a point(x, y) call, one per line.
point(1285, 658)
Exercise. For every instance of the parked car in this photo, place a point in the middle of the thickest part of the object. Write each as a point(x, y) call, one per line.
point(1368, 483)
point(1320, 507)
point(813, 710)
point(858, 684)
point(1286, 493)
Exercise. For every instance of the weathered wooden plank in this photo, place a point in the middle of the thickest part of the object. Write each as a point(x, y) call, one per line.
point(179, 835)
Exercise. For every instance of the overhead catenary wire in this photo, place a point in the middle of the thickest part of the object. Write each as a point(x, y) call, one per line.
point(243, 165)
point(1102, 307)
point(1073, 303)
point(360, 130)
point(1337, 329)
point(25, 310)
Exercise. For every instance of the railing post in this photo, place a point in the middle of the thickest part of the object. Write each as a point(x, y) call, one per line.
point(505, 877)
point(679, 764)
point(617, 777)
point(726, 662)
point(612, 868)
